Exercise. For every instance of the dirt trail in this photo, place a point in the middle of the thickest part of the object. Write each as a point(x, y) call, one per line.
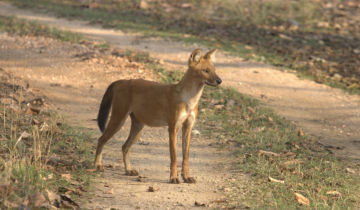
point(318, 109)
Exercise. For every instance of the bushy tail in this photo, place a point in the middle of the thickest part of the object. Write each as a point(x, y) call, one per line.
point(105, 108)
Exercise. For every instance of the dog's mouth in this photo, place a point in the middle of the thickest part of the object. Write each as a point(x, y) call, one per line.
point(211, 83)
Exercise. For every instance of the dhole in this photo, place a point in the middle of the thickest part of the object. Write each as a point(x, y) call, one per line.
point(153, 104)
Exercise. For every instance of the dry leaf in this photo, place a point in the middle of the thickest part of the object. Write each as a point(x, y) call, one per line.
point(53, 198)
point(349, 170)
point(66, 176)
point(301, 133)
point(244, 131)
point(67, 202)
point(259, 117)
point(250, 110)
point(267, 153)
point(270, 119)
point(218, 107)
point(37, 199)
point(186, 5)
point(334, 192)
point(64, 190)
point(26, 202)
point(5, 190)
point(199, 204)
point(10, 204)
point(276, 180)
point(153, 189)
point(35, 122)
point(24, 134)
point(288, 154)
point(301, 199)
point(32, 111)
point(255, 130)
point(91, 170)
point(111, 191)
point(283, 36)
point(291, 162)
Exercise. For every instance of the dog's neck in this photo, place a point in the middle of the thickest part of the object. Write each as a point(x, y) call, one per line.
point(190, 89)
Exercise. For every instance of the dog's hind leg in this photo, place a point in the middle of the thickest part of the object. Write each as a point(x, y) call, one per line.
point(135, 133)
point(117, 120)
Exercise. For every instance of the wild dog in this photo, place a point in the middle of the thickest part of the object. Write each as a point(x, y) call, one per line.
point(156, 105)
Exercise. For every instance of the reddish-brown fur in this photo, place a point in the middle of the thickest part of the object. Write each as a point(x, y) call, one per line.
point(153, 104)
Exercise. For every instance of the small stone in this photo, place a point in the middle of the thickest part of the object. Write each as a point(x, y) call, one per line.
point(336, 76)
point(356, 51)
point(231, 102)
point(195, 132)
point(349, 170)
point(144, 5)
point(183, 190)
point(323, 24)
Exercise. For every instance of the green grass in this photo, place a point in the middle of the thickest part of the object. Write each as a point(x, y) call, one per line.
point(23, 161)
point(15, 26)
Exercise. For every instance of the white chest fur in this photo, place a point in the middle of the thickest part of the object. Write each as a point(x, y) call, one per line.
point(191, 98)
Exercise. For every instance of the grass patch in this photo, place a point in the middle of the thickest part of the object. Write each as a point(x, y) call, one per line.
point(45, 160)
point(318, 173)
point(15, 26)
point(40, 152)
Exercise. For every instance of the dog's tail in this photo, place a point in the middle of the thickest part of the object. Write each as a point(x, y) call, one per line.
point(105, 107)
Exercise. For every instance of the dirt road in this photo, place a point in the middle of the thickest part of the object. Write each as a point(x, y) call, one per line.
point(320, 110)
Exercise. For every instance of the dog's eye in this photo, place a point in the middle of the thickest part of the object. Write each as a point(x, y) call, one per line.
point(206, 71)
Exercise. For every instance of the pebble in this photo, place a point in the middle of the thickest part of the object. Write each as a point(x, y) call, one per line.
point(195, 132)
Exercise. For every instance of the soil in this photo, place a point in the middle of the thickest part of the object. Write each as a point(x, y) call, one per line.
point(75, 86)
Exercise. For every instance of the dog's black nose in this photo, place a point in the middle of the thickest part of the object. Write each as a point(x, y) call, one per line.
point(219, 81)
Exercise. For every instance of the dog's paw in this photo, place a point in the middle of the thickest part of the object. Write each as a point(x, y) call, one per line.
point(175, 181)
point(189, 180)
point(99, 168)
point(132, 173)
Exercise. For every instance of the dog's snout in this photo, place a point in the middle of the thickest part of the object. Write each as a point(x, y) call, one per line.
point(218, 81)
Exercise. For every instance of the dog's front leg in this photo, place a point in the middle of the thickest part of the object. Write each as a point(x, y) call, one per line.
point(173, 156)
point(186, 138)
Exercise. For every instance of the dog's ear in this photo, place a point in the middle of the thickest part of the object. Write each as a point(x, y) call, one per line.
point(211, 55)
point(195, 57)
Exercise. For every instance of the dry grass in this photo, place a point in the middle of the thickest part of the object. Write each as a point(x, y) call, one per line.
point(255, 11)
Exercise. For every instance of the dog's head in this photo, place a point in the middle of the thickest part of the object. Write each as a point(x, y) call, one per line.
point(202, 67)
